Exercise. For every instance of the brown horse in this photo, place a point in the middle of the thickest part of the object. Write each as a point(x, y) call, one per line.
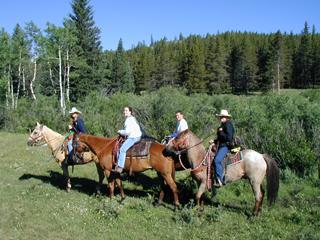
point(253, 166)
point(103, 148)
point(54, 140)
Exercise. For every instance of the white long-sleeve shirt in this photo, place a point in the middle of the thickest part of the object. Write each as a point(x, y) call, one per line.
point(181, 126)
point(131, 128)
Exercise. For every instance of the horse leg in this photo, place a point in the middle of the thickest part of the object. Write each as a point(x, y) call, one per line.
point(261, 201)
point(173, 186)
point(110, 183)
point(162, 189)
point(101, 178)
point(201, 189)
point(119, 184)
point(258, 193)
point(65, 171)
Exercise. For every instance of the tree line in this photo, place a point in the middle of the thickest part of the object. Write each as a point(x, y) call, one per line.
point(68, 62)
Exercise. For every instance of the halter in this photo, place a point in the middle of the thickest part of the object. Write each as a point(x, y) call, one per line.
point(184, 148)
point(46, 141)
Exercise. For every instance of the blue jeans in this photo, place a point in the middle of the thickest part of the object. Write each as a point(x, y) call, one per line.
point(70, 147)
point(222, 152)
point(124, 148)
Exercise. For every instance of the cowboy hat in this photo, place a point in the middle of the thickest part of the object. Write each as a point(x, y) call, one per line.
point(74, 110)
point(223, 113)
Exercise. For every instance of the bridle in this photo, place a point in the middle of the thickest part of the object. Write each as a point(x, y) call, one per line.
point(184, 147)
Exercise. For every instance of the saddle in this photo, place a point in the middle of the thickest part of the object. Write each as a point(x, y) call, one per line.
point(232, 158)
point(140, 149)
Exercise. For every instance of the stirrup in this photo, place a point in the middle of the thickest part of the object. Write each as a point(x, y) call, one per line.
point(217, 183)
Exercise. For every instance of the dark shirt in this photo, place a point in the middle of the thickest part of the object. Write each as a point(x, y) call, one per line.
point(224, 137)
point(78, 126)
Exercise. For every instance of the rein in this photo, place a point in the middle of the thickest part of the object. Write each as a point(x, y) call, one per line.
point(46, 141)
point(198, 166)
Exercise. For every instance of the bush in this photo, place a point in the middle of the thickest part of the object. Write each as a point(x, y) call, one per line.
point(285, 126)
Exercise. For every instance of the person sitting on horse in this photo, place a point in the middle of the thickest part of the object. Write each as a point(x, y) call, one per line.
point(180, 127)
point(225, 134)
point(76, 126)
point(132, 132)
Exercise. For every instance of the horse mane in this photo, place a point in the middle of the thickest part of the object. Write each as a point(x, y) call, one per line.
point(187, 132)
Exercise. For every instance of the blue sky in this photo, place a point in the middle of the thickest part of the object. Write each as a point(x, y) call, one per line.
point(136, 21)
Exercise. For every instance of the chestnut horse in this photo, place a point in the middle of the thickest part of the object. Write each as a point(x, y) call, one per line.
point(253, 166)
point(103, 148)
point(54, 140)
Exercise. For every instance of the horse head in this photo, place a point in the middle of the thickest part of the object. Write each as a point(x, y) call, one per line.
point(36, 135)
point(180, 142)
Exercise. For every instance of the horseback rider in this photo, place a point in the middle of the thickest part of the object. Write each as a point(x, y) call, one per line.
point(180, 127)
point(132, 132)
point(76, 126)
point(225, 134)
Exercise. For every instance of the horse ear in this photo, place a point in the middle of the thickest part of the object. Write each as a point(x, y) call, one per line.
point(38, 124)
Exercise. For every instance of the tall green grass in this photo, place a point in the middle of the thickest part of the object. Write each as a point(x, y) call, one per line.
point(34, 204)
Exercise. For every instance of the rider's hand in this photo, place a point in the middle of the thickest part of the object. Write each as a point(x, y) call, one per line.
point(69, 127)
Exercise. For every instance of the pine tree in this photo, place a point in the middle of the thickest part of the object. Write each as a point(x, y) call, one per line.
point(194, 66)
point(315, 67)
point(165, 71)
point(85, 74)
point(5, 58)
point(121, 74)
point(142, 62)
point(303, 62)
point(275, 63)
point(217, 76)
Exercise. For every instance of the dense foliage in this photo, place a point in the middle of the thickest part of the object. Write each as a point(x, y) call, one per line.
point(287, 126)
point(69, 62)
point(43, 73)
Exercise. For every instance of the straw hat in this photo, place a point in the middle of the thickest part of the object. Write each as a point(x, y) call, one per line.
point(224, 113)
point(74, 110)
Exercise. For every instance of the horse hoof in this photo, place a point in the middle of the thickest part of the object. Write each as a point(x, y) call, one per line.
point(68, 190)
point(178, 207)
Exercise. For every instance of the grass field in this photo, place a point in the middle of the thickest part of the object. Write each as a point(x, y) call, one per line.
point(34, 205)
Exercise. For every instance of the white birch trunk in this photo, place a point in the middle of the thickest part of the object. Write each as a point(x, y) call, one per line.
point(33, 79)
point(62, 102)
point(68, 78)
point(19, 81)
point(12, 95)
point(23, 81)
point(51, 79)
point(8, 90)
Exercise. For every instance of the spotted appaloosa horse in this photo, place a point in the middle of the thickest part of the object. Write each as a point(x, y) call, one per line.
point(254, 166)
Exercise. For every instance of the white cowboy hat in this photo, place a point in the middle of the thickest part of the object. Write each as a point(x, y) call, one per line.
point(223, 113)
point(74, 110)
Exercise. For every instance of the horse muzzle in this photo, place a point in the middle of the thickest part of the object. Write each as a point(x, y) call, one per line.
point(30, 142)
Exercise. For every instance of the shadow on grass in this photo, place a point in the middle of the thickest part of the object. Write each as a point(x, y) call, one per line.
point(88, 186)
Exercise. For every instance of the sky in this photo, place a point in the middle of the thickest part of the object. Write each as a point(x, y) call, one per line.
point(137, 21)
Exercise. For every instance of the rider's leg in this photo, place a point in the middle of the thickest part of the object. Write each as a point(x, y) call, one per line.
point(222, 152)
point(123, 151)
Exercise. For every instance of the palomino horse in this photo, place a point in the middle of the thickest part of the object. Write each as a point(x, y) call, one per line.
point(54, 140)
point(103, 148)
point(253, 166)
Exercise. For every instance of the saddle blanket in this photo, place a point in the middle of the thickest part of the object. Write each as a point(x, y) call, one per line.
point(140, 149)
point(233, 158)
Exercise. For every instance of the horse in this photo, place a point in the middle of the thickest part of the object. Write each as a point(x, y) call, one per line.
point(54, 140)
point(253, 166)
point(103, 148)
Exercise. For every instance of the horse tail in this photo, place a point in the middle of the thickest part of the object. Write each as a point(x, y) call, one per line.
point(272, 179)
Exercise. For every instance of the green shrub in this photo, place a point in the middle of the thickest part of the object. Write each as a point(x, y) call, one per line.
point(285, 126)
